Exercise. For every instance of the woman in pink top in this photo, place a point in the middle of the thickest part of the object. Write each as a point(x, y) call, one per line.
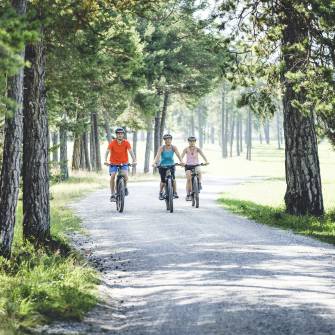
point(192, 158)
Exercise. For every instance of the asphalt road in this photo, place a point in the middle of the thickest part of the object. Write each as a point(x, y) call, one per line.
point(201, 271)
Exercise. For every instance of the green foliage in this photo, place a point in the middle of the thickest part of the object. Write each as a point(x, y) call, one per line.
point(320, 228)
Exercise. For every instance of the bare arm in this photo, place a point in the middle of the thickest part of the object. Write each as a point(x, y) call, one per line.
point(183, 154)
point(203, 156)
point(131, 152)
point(106, 155)
point(178, 155)
point(159, 152)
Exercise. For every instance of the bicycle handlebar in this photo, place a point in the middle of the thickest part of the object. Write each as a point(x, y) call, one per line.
point(119, 165)
point(168, 166)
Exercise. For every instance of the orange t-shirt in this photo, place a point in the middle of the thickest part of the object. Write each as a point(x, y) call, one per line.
point(119, 152)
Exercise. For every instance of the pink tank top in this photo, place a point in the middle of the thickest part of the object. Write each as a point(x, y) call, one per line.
point(192, 157)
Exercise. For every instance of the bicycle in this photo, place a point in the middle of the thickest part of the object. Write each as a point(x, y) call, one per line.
point(168, 196)
point(195, 184)
point(120, 187)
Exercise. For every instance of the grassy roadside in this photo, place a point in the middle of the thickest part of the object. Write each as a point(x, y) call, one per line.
point(262, 199)
point(321, 228)
point(37, 287)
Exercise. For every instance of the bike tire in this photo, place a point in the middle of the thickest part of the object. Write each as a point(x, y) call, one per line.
point(120, 195)
point(170, 195)
point(166, 196)
point(195, 192)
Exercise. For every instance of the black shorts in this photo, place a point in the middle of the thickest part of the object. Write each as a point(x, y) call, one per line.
point(162, 172)
point(190, 167)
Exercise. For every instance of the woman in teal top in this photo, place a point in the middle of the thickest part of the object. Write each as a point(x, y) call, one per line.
point(165, 156)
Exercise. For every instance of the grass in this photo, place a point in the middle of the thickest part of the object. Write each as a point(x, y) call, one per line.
point(38, 286)
point(320, 228)
point(262, 199)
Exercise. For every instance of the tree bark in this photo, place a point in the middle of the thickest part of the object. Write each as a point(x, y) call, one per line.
point(92, 145)
point(82, 153)
point(232, 133)
point(135, 134)
point(76, 153)
point(148, 147)
point(278, 130)
point(64, 170)
point(36, 206)
point(304, 191)
point(241, 134)
point(98, 166)
point(109, 135)
point(224, 121)
point(249, 135)
point(86, 151)
point(11, 163)
point(267, 131)
point(163, 116)
point(238, 125)
point(55, 147)
point(200, 128)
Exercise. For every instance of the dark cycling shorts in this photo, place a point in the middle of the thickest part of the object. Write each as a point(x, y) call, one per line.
point(162, 172)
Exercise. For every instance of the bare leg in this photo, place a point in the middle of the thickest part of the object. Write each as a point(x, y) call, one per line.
point(161, 187)
point(174, 186)
point(112, 183)
point(188, 182)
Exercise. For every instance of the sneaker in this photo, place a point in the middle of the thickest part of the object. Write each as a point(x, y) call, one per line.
point(175, 195)
point(126, 193)
point(113, 198)
point(189, 197)
point(161, 196)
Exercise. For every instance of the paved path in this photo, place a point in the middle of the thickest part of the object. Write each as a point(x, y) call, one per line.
point(202, 271)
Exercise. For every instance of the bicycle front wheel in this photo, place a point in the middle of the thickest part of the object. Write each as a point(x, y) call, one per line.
point(170, 195)
point(120, 195)
point(195, 198)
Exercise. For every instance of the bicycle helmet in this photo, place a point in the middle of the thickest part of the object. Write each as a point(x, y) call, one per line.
point(119, 130)
point(166, 136)
point(192, 138)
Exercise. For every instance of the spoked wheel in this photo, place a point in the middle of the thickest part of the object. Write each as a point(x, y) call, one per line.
point(166, 196)
point(170, 195)
point(120, 195)
point(195, 192)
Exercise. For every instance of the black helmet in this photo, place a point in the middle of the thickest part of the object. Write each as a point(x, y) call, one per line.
point(192, 138)
point(166, 136)
point(119, 130)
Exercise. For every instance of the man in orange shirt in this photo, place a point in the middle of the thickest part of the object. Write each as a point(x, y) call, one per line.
point(118, 155)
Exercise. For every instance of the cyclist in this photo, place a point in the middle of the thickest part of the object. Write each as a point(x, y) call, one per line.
point(165, 155)
point(118, 155)
point(192, 158)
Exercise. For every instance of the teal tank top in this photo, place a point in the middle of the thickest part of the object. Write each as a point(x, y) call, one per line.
point(167, 157)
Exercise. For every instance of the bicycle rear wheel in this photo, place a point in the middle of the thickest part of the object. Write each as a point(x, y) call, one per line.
point(170, 195)
point(120, 195)
point(195, 192)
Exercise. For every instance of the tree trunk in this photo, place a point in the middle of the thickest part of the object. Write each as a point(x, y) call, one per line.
point(157, 133)
point(148, 147)
point(64, 171)
point(55, 147)
point(98, 166)
point(135, 134)
point(109, 135)
point(200, 128)
point(11, 163)
point(82, 154)
point(92, 145)
point(267, 131)
point(278, 130)
point(224, 121)
point(163, 116)
point(238, 125)
point(36, 206)
point(232, 133)
point(192, 124)
point(249, 135)
point(241, 134)
point(76, 153)
point(86, 151)
point(304, 191)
